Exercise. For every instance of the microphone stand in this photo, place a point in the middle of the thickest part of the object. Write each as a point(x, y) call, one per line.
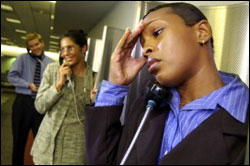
point(151, 104)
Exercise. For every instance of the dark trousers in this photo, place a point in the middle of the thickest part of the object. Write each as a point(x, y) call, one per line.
point(24, 118)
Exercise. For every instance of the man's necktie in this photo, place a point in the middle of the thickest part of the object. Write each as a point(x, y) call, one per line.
point(37, 74)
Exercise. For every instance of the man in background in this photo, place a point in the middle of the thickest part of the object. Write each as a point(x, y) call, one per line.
point(25, 75)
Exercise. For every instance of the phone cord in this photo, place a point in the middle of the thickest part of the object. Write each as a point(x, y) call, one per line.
point(74, 96)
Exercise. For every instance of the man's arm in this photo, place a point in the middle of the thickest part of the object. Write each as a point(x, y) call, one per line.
point(15, 73)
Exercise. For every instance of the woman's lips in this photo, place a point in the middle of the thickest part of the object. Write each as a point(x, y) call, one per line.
point(152, 65)
point(68, 59)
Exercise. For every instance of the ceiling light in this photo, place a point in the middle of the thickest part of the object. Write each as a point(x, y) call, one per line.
point(53, 46)
point(23, 37)
point(51, 28)
point(53, 50)
point(52, 42)
point(52, 1)
point(4, 38)
point(10, 43)
point(13, 20)
point(6, 7)
point(52, 17)
point(54, 37)
point(41, 11)
point(20, 31)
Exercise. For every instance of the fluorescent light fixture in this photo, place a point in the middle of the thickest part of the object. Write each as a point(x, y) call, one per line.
point(52, 50)
point(9, 42)
point(52, 1)
point(52, 46)
point(13, 20)
point(20, 31)
point(23, 37)
point(52, 42)
point(16, 51)
point(52, 17)
point(12, 51)
point(6, 7)
point(4, 38)
point(51, 28)
point(54, 37)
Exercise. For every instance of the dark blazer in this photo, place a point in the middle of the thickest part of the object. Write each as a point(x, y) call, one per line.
point(220, 139)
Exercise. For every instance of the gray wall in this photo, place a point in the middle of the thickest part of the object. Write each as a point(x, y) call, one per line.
point(122, 16)
point(230, 25)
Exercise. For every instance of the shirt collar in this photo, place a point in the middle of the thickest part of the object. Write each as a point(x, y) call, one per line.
point(42, 56)
point(233, 97)
point(39, 57)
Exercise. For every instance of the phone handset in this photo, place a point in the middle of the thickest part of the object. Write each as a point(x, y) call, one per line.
point(60, 60)
point(35, 56)
point(30, 53)
point(68, 79)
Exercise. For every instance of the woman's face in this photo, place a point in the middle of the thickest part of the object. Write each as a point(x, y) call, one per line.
point(71, 52)
point(171, 47)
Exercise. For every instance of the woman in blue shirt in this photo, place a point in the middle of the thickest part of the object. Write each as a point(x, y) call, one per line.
point(205, 122)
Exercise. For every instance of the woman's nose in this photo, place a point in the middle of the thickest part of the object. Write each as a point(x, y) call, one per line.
point(147, 50)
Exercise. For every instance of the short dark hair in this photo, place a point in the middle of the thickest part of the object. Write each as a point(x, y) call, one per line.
point(189, 13)
point(78, 36)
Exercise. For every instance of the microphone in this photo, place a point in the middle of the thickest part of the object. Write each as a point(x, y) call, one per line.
point(155, 95)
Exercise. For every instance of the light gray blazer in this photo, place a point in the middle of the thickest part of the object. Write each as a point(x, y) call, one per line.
point(54, 105)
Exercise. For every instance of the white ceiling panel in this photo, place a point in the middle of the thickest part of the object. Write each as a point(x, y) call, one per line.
point(35, 16)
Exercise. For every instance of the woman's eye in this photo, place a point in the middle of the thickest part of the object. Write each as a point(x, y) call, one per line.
point(158, 32)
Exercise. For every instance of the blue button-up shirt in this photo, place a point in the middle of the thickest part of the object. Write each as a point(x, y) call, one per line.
point(233, 97)
point(22, 72)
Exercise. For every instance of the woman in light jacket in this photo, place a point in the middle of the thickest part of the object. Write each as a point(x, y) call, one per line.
point(64, 91)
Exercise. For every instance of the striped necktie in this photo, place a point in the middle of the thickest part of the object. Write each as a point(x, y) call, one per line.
point(37, 74)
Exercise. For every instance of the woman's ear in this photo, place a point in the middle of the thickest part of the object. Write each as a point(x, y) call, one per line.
point(84, 48)
point(203, 31)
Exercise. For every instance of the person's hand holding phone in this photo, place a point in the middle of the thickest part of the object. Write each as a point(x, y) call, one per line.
point(64, 71)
